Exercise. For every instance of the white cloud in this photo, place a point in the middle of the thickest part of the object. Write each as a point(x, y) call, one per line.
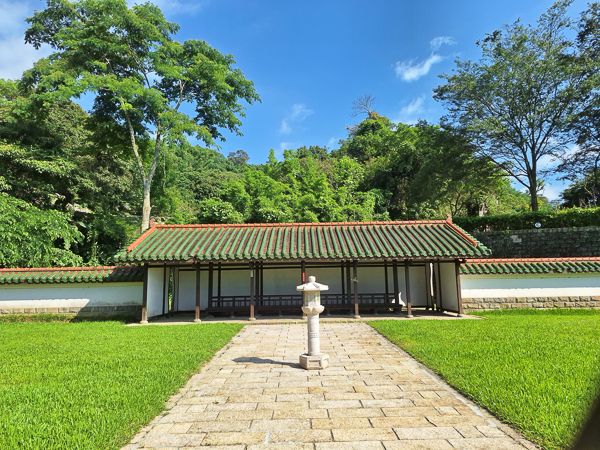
point(297, 115)
point(409, 71)
point(412, 70)
point(410, 114)
point(438, 41)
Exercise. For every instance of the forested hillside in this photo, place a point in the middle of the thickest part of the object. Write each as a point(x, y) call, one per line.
point(77, 186)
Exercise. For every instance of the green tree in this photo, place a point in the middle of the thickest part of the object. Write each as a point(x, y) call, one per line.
point(516, 101)
point(140, 76)
point(32, 237)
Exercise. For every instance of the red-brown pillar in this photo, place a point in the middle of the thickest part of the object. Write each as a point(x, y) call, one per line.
point(355, 281)
point(458, 289)
point(252, 275)
point(197, 317)
point(145, 296)
point(407, 277)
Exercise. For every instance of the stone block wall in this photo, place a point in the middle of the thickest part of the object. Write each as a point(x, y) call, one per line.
point(542, 243)
point(483, 304)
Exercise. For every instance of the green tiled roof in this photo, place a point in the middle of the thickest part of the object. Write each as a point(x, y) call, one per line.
point(530, 266)
point(71, 275)
point(303, 241)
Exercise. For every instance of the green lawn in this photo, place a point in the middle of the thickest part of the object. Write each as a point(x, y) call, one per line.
point(91, 385)
point(537, 370)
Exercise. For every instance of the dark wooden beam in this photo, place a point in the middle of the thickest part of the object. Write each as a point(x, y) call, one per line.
point(396, 284)
point(440, 306)
point(407, 278)
point(355, 280)
point(210, 283)
point(252, 274)
point(197, 317)
point(165, 291)
point(348, 283)
point(145, 296)
point(458, 288)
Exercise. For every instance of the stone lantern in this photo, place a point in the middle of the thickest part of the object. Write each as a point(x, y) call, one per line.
point(311, 306)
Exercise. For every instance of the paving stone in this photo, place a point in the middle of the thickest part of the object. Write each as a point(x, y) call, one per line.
point(254, 396)
point(486, 444)
point(216, 438)
point(362, 445)
point(341, 422)
point(299, 436)
point(363, 434)
point(427, 433)
point(429, 444)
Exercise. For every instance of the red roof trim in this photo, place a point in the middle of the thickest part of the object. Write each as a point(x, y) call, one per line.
point(295, 224)
point(461, 233)
point(141, 238)
point(516, 260)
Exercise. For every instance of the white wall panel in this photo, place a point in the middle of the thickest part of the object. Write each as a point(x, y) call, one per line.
point(448, 283)
point(75, 295)
point(550, 285)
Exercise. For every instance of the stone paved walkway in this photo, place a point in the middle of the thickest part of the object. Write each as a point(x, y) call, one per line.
point(253, 395)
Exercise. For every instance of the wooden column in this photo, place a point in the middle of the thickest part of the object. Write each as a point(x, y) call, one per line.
point(252, 292)
point(407, 278)
point(302, 272)
point(219, 284)
point(262, 279)
point(197, 318)
point(165, 291)
point(348, 283)
point(343, 281)
point(145, 296)
point(355, 280)
point(396, 285)
point(210, 284)
point(440, 305)
point(387, 288)
point(458, 289)
point(428, 285)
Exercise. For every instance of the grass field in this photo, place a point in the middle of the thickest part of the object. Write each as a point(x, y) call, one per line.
point(91, 385)
point(537, 370)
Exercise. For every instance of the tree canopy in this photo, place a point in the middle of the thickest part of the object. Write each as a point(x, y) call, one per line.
point(140, 76)
point(516, 102)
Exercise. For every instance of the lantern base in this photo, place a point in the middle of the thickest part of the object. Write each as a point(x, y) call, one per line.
point(314, 362)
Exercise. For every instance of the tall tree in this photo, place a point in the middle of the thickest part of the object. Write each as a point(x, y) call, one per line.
point(516, 101)
point(140, 76)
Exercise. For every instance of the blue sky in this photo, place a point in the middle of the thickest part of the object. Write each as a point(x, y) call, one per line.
point(310, 60)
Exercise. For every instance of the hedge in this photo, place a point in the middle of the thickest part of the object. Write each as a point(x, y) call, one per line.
point(573, 217)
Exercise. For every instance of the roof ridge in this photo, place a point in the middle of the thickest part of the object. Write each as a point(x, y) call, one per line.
point(143, 236)
point(551, 259)
point(462, 233)
point(320, 224)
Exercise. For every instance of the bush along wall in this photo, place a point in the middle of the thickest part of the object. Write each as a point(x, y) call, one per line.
point(567, 218)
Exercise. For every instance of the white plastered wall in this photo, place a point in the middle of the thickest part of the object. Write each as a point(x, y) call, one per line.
point(72, 295)
point(448, 286)
point(156, 291)
point(550, 285)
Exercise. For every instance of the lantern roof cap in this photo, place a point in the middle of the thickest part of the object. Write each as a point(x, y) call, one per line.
point(312, 285)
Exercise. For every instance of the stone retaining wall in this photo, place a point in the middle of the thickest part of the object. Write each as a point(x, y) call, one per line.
point(542, 243)
point(482, 304)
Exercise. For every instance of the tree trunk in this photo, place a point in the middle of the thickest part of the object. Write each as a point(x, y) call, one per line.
point(146, 207)
point(534, 198)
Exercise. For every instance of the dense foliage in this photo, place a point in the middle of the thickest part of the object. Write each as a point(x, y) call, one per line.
point(76, 187)
point(574, 217)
